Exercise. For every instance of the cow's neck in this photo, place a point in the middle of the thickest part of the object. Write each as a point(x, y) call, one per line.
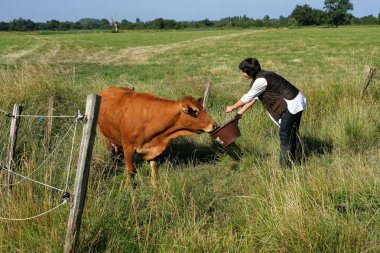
point(179, 132)
point(171, 127)
point(174, 131)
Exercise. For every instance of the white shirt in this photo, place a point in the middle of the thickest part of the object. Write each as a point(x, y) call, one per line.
point(258, 87)
point(294, 106)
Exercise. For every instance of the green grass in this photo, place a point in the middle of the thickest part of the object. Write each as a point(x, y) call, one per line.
point(205, 200)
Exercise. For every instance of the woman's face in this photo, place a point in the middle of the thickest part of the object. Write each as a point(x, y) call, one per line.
point(246, 76)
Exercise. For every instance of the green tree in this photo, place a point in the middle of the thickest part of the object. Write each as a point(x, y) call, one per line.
point(76, 25)
point(125, 24)
point(319, 17)
point(207, 22)
point(158, 23)
point(4, 26)
point(292, 22)
point(303, 14)
point(169, 23)
point(65, 25)
point(368, 20)
point(21, 24)
point(104, 24)
point(337, 12)
point(53, 24)
point(89, 23)
point(283, 20)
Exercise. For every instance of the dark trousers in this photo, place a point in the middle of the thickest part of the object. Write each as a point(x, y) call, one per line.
point(289, 138)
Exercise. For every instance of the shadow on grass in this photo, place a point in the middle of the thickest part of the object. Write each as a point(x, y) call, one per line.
point(314, 146)
point(188, 153)
point(177, 153)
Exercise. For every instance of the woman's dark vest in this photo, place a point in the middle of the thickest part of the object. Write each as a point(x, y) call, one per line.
point(277, 90)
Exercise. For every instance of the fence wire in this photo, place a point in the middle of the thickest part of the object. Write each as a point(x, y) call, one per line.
point(38, 163)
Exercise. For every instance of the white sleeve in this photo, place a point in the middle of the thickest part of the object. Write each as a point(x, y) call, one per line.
point(258, 87)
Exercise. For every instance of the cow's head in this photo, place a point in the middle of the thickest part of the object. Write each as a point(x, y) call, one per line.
point(193, 117)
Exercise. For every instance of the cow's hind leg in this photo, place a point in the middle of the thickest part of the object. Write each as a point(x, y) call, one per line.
point(154, 174)
point(128, 156)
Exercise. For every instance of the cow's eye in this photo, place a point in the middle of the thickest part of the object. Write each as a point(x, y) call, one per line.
point(193, 112)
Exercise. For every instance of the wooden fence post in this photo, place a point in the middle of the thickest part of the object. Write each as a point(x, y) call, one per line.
point(207, 93)
point(49, 125)
point(12, 143)
point(83, 167)
point(368, 80)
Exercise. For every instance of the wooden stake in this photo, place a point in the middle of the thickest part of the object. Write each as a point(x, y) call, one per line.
point(206, 95)
point(83, 168)
point(12, 143)
point(369, 78)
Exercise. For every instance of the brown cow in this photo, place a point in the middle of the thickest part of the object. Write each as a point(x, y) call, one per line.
point(144, 123)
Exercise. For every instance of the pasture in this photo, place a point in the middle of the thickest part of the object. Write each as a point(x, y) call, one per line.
point(207, 199)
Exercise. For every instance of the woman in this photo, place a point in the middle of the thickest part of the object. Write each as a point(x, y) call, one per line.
point(283, 101)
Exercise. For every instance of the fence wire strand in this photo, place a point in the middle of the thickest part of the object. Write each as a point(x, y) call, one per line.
point(35, 181)
point(77, 117)
point(1, 110)
point(44, 116)
point(43, 162)
point(36, 216)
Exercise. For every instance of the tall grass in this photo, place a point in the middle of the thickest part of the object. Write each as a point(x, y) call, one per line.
point(30, 85)
point(207, 200)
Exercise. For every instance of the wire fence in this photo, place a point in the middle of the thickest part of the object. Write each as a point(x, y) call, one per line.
point(38, 163)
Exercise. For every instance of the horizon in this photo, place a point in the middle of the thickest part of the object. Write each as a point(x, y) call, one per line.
point(148, 10)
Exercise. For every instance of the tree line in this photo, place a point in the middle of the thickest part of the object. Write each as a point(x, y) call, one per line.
point(335, 13)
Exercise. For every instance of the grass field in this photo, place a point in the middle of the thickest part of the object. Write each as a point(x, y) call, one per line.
point(205, 199)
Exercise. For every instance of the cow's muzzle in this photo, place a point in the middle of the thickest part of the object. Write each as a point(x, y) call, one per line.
point(210, 128)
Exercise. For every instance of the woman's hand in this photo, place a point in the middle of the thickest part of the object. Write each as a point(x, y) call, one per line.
point(229, 109)
point(238, 104)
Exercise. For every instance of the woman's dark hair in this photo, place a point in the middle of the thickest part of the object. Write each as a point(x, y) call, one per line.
point(251, 66)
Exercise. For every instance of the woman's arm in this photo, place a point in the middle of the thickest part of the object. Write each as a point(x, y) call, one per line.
point(234, 106)
point(258, 87)
point(242, 110)
point(246, 106)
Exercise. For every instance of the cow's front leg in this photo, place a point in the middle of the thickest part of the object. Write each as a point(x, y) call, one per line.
point(128, 156)
point(154, 174)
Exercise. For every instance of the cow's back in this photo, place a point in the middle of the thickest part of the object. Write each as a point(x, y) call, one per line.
point(132, 115)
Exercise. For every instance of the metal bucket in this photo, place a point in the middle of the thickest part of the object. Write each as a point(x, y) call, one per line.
point(227, 133)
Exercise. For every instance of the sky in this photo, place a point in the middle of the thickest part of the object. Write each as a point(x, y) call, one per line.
point(146, 10)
